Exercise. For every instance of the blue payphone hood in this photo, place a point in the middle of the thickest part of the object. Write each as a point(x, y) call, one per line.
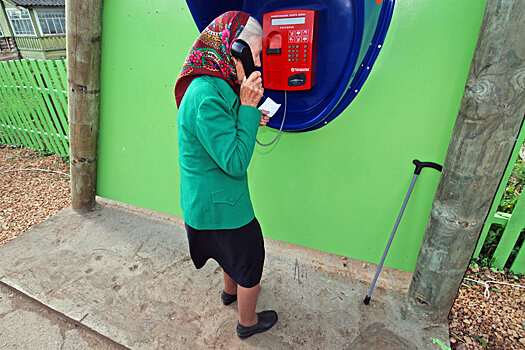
point(350, 36)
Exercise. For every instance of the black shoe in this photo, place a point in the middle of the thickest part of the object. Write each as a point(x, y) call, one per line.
point(227, 299)
point(266, 321)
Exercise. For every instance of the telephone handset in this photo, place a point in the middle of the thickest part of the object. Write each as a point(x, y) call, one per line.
point(242, 51)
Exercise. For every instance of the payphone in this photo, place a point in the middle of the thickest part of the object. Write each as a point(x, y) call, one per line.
point(343, 39)
point(290, 49)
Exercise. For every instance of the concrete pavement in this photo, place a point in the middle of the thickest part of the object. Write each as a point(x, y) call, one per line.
point(125, 273)
point(27, 324)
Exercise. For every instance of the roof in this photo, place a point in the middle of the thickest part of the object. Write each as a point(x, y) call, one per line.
point(29, 3)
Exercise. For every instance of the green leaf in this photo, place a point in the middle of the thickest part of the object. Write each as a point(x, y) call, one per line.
point(481, 340)
point(440, 343)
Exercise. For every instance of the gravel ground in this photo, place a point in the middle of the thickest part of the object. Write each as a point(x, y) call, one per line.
point(495, 323)
point(29, 197)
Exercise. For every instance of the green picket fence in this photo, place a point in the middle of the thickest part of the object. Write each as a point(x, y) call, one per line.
point(33, 105)
point(509, 251)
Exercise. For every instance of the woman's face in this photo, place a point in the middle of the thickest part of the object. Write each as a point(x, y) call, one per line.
point(256, 48)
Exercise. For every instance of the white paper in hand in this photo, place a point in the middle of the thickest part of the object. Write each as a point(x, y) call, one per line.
point(270, 106)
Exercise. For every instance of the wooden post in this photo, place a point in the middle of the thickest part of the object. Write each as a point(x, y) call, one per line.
point(83, 39)
point(484, 135)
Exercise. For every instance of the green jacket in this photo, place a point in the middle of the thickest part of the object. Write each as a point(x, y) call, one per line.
point(216, 141)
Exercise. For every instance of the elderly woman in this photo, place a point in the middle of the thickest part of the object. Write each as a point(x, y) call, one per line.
point(217, 125)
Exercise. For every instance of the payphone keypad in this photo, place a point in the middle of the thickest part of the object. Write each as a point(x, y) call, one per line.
point(297, 53)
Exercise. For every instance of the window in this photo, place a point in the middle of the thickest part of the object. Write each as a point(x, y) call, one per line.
point(51, 22)
point(1, 33)
point(21, 22)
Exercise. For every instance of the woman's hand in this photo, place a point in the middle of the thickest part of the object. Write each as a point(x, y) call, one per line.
point(265, 118)
point(251, 89)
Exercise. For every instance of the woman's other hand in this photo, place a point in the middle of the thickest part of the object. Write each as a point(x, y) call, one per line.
point(265, 118)
point(251, 89)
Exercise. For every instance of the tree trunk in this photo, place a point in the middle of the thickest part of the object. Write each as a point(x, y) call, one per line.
point(83, 39)
point(488, 122)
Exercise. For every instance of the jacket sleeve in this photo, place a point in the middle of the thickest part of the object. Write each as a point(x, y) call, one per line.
point(228, 143)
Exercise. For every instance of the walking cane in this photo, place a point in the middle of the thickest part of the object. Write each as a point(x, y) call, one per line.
point(419, 166)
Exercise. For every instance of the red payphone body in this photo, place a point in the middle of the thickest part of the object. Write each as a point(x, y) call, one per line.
point(290, 49)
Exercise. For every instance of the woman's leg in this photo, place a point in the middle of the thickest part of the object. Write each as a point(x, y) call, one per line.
point(230, 286)
point(247, 300)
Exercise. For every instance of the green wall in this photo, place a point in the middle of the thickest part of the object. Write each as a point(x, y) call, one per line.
point(337, 189)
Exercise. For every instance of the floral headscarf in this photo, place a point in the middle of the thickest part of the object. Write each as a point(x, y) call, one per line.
point(210, 55)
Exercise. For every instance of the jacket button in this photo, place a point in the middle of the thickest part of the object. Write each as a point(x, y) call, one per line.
point(230, 199)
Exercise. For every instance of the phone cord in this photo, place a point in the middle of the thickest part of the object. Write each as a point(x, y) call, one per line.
point(280, 129)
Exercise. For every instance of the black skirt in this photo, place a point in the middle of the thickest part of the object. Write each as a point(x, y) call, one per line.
point(240, 251)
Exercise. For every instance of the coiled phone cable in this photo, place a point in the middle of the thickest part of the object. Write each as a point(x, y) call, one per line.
point(280, 129)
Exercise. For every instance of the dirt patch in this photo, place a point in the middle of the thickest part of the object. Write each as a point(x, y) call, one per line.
point(377, 336)
point(29, 197)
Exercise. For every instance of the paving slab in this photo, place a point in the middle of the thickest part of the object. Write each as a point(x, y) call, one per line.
point(125, 272)
point(27, 324)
